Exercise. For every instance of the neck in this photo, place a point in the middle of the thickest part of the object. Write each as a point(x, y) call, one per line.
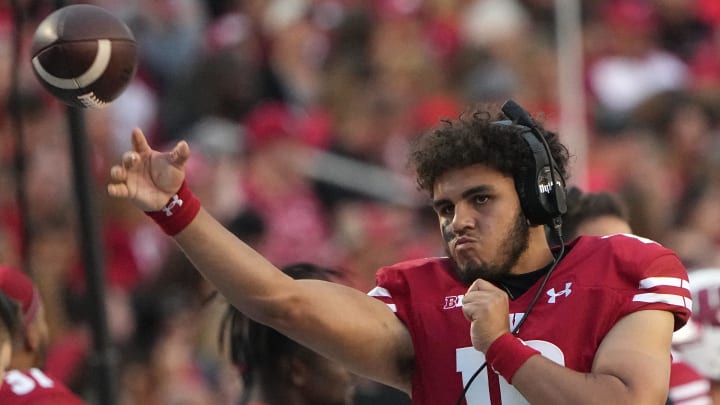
point(537, 255)
point(23, 360)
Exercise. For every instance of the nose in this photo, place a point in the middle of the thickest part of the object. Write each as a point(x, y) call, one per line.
point(463, 219)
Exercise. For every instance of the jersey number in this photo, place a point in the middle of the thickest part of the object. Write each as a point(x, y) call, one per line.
point(490, 388)
point(22, 384)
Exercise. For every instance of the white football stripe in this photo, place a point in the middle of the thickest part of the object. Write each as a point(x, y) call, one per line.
point(379, 292)
point(671, 299)
point(382, 292)
point(651, 282)
point(102, 59)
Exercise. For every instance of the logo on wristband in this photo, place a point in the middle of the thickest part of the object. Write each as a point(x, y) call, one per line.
point(174, 202)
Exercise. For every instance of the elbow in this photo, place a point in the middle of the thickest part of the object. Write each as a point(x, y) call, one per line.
point(631, 393)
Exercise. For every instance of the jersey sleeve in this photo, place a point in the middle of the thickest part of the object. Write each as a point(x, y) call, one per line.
point(389, 288)
point(658, 279)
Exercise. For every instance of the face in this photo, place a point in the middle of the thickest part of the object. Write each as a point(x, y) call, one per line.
point(481, 222)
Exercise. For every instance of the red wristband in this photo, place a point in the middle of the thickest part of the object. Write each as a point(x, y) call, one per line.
point(506, 354)
point(178, 212)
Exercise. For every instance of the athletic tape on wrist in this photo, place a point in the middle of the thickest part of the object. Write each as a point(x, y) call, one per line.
point(180, 210)
point(506, 354)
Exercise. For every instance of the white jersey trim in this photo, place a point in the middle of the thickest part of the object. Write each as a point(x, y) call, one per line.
point(652, 282)
point(672, 299)
point(379, 292)
point(382, 292)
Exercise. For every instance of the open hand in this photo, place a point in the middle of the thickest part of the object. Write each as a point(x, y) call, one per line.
point(147, 177)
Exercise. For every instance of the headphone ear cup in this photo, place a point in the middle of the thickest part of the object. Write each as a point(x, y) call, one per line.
point(521, 187)
point(540, 199)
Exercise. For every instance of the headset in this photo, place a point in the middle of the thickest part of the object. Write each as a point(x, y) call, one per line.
point(542, 191)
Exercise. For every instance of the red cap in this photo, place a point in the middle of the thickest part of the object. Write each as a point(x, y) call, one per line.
point(269, 122)
point(273, 120)
point(19, 287)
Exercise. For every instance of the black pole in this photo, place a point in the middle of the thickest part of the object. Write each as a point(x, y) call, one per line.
point(101, 360)
point(15, 108)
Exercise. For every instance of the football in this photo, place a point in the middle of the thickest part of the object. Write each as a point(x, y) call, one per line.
point(84, 55)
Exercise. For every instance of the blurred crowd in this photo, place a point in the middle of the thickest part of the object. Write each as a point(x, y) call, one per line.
point(298, 114)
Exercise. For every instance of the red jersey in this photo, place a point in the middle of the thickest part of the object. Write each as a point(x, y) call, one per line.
point(599, 281)
point(33, 387)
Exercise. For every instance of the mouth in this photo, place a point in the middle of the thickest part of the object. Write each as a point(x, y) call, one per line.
point(463, 243)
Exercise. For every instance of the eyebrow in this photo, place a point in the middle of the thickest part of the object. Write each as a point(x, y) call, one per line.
point(465, 194)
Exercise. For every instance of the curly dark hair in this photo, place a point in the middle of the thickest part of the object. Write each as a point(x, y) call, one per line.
point(474, 138)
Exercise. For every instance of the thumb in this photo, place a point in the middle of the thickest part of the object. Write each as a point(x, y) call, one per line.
point(482, 285)
point(180, 154)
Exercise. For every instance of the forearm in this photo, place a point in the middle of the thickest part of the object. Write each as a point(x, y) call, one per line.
point(542, 381)
point(241, 274)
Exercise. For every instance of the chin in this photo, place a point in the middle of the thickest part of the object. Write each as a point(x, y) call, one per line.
point(469, 272)
point(473, 271)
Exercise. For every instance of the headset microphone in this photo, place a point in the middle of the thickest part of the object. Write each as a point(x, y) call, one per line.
point(512, 110)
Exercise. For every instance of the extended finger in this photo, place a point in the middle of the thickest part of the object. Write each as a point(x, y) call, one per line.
point(139, 142)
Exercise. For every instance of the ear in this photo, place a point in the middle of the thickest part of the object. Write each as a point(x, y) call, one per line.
point(31, 336)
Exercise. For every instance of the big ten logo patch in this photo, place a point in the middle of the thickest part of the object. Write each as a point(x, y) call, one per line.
point(453, 301)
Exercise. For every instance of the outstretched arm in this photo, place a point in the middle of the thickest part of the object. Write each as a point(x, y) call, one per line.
point(337, 321)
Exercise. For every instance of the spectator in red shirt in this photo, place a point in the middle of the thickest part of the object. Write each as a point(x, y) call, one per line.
point(24, 381)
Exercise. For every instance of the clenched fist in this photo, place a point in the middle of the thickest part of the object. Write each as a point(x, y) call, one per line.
point(487, 309)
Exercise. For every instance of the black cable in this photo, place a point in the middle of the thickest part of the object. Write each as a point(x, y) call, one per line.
point(557, 222)
point(15, 108)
